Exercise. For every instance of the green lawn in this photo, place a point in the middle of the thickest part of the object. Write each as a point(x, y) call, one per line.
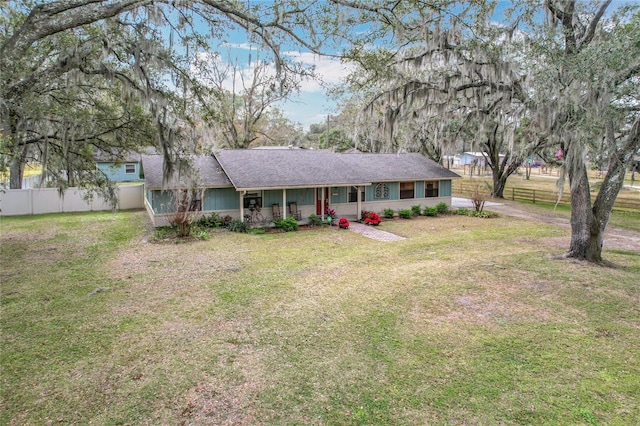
point(469, 320)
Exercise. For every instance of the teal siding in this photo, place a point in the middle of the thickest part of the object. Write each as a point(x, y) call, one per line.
point(221, 199)
point(342, 194)
point(117, 172)
point(445, 188)
point(162, 202)
point(394, 190)
point(419, 189)
point(272, 197)
point(368, 192)
point(302, 197)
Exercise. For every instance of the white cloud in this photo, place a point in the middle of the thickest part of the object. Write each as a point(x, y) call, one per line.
point(330, 70)
point(243, 46)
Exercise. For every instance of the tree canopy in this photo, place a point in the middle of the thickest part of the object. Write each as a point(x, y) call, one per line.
point(79, 75)
point(563, 76)
point(143, 49)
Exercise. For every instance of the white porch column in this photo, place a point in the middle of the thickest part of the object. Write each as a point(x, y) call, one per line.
point(359, 203)
point(242, 205)
point(285, 208)
point(322, 203)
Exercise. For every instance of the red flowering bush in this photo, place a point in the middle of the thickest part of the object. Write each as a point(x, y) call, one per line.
point(343, 223)
point(372, 218)
point(330, 212)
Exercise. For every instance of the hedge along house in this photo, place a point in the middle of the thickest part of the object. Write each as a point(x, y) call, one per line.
point(233, 180)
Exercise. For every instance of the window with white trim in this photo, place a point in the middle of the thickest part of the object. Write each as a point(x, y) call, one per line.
point(130, 168)
point(431, 189)
point(407, 190)
point(253, 200)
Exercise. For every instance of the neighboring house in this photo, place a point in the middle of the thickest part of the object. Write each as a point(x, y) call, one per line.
point(476, 158)
point(127, 168)
point(230, 181)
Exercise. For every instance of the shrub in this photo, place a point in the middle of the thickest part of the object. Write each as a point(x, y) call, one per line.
point(479, 195)
point(315, 220)
point(473, 213)
point(200, 233)
point(372, 219)
point(331, 213)
point(442, 208)
point(343, 223)
point(287, 225)
point(415, 210)
point(237, 225)
point(214, 220)
point(388, 213)
point(405, 213)
point(161, 233)
point(484, 214)
point(364, 214)
point(431, 211)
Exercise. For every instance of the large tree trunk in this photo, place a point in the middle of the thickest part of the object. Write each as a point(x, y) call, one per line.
point(501, 172)
point(586, 236)
point(588, 223)
point(499, 182)
point(16, 168)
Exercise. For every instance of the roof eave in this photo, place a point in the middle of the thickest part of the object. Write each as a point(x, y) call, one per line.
point(271, 188)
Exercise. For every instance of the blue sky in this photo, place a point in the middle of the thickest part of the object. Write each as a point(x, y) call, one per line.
point(311, 105)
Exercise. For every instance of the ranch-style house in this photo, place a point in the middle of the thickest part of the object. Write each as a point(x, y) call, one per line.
point(299, 182)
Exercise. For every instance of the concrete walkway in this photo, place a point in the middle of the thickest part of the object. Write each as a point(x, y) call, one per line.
point(374, 233)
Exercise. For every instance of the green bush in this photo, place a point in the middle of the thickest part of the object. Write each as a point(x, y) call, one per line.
point(472, 213)
point(388, 213)
point(442, 208)
point(315, 220)
point(200, 233)
point(162, 233)
point(287, 225)
point(405, 213)
point(484, 214)
point(431, 211)
point(415, 210)
point(237, 225)
point(214, 220)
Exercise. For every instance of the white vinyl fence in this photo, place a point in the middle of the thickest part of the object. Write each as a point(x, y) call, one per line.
point(15, 202)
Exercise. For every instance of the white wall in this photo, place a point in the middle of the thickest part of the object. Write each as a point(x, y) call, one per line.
point(47, 200)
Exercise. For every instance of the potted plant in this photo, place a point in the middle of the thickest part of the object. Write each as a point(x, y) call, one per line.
point(343, 223)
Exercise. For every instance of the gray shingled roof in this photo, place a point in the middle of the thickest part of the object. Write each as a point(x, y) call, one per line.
point(294, 168)
point(253, 169)
point(210, 174)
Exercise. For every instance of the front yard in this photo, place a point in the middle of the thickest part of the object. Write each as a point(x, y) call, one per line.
point(468, 320)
